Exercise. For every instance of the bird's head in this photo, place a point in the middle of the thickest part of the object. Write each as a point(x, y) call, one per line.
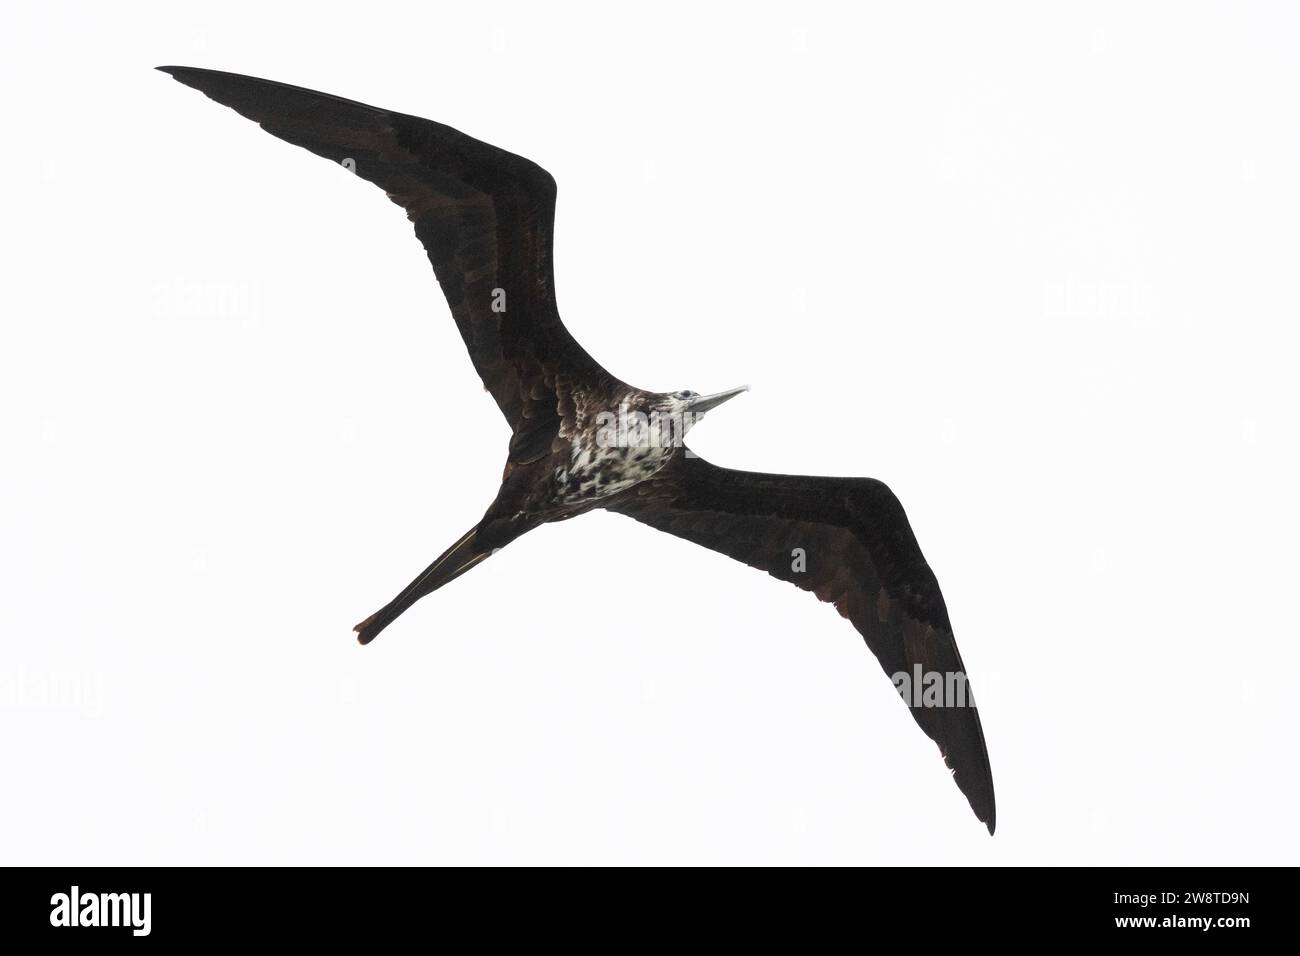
point(688, 407)
point(656, 420)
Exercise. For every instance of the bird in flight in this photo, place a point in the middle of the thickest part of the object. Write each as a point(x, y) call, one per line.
point(581, 439)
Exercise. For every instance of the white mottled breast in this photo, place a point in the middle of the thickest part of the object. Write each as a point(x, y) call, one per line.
point(598, 467)
point(594, 472)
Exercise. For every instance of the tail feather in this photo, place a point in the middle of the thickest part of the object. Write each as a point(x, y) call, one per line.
point(451, 564)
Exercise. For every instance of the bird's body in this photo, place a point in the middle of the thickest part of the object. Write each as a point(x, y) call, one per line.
point(582, 439)
point(616, 441)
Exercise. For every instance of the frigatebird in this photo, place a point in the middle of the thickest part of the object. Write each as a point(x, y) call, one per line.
point(582, 439)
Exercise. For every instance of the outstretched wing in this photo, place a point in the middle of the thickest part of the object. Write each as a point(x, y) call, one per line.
point(848, 541)
point(484, 216)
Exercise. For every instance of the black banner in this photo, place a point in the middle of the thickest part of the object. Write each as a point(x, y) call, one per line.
point(133, 906)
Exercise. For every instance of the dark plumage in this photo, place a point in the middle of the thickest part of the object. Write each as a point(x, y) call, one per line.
point(485, 219)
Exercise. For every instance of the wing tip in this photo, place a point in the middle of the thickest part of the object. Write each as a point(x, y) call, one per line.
point(187, 75)
point(978, 790)
point(982, 803)
point(198, 77)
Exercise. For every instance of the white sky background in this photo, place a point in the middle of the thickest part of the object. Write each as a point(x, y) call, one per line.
point(1035, 268)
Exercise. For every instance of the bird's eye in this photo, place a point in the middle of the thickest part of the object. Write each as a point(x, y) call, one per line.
point(684, 393)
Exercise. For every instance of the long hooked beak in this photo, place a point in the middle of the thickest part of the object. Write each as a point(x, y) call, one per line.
point(706, 402)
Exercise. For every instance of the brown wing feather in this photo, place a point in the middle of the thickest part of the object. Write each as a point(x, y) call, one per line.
point(856, 551)
point(485, 218)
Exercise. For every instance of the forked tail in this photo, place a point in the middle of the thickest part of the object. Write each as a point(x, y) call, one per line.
point(453, 562)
